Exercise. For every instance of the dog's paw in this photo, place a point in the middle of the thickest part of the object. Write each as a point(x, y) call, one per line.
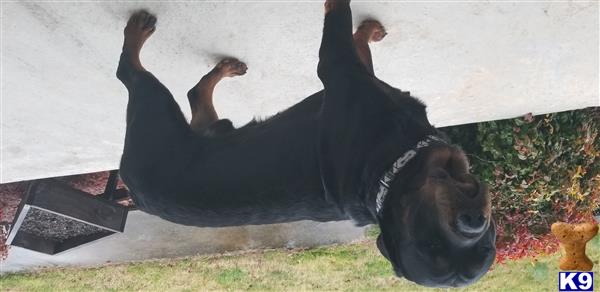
point(332, 4)
point(141, 25)
point(370, 31)
point(230, 67)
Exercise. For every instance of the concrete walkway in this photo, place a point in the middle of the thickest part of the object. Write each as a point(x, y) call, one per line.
point(149, 237)
point(63, 110)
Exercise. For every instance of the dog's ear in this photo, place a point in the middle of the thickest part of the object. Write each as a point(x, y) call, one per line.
point(381, 247)
point(385, 253)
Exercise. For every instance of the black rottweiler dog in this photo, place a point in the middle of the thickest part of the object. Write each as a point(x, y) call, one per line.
point(359, 149)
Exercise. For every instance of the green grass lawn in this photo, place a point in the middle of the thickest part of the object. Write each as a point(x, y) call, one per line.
point(356, 266)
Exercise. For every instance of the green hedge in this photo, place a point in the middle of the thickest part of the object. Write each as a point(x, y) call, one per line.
point(540, 169)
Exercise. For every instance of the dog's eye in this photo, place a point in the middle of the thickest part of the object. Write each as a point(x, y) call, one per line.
point(435, 246)
point(484, 249)
point(438, 174)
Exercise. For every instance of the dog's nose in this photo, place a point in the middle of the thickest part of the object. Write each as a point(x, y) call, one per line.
point(471, 223)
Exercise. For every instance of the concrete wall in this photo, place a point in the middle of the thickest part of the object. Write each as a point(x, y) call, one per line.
point(63, 109)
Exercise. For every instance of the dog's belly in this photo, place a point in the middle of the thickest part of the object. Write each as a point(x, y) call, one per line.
point(262, 173)
point(190, 213)
point(219, 200)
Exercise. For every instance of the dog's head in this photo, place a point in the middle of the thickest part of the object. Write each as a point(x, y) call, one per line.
point(436, 226)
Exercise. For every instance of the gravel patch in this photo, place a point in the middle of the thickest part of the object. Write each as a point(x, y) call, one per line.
point(54, 227)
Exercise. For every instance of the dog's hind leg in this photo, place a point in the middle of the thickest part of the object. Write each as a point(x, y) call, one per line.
point(368, 31)
point(157, 132)
point(201, 95)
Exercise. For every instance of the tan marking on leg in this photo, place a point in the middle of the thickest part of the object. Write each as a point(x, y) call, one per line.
point(368, 31)
point(201, 95)
point(140, 27)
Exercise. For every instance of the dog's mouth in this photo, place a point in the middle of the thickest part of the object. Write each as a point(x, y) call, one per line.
point(471, 234)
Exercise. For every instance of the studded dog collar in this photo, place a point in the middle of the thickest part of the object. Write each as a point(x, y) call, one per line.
point(388, 176)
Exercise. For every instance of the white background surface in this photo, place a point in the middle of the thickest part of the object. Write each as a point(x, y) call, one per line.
point(63, 109)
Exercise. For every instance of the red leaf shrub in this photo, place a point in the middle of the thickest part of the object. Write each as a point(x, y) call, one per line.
point(10, 197)
point(540, 169)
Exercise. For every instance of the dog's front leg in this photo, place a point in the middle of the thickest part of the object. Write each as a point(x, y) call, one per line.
point(341, 116)
point(337, 54)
